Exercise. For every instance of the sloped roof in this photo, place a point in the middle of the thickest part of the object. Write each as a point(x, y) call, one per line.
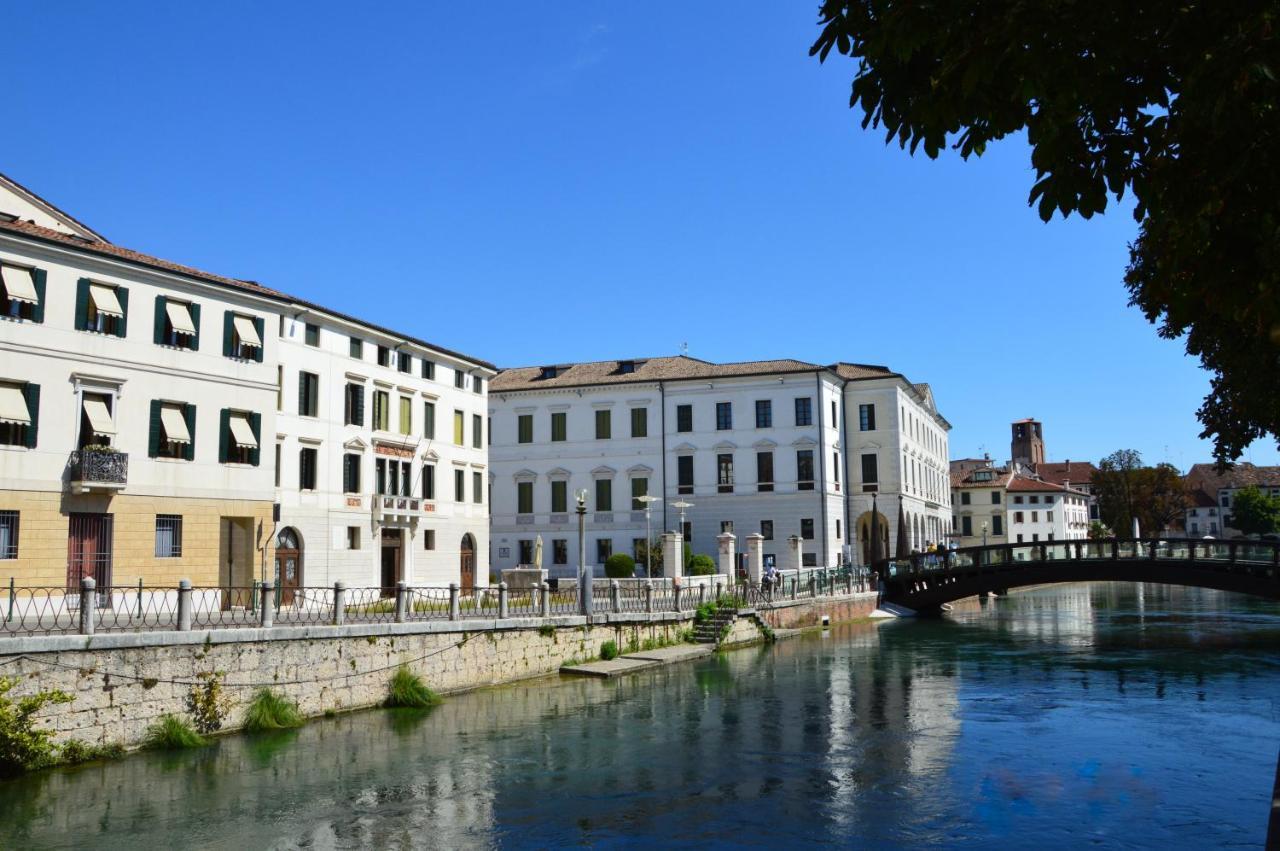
point(1028, 485)
point(54, 209)
point(1061, 472)
point(965, 478)
point(860, 371)
point(645, 370)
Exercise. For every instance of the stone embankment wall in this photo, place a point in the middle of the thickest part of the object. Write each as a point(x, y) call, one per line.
point(810, 613)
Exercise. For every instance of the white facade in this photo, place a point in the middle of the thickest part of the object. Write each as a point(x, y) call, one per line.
point(1039, 511)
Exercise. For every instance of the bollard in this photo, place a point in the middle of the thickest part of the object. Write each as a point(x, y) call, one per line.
point(534, 590)
point(719, 586)
point(794, 580)
point(339, 603)
point(502, 599)
point(88, 605)
point(184, 605)
point(615, 596)
point(455, 606)
point(545, 599)
point(648, 596)
point(702, 594)
point(267, 614)
point(675, 595)
point(402, 601)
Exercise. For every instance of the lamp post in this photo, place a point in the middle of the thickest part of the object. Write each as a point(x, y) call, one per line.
point(648, 535)
point(584, 573)
point(984, 533)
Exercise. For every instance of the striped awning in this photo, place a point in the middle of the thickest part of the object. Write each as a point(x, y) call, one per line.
point(13, 406)
point(104, 299)
point(180, 317)
point(19, 284)
point(242, 432)
point(175, 424)
point(95, 408)
point(246, 332)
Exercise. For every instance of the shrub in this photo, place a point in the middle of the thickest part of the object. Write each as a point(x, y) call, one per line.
point(407, 690)
point(75, 752)
point(620, 566)
point(609, 650)
point(207, 703)
point(169, 732)
point(23, 746)
point(271, 710)
point(701, 565)
point(704, 612)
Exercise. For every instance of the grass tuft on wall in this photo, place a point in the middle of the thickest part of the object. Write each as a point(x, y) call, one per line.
point(271, 710)
point(169, 732)
point(407, 690)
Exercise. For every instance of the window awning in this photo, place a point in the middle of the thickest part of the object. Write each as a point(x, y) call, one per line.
point(180, 317)
point(104, 299)
point(175, 424)
point(100, 421)
point(246, 332)
point(242, 433)
point(19, 284)
point(13, 406)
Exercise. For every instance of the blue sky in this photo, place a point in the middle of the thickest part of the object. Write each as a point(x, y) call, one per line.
point(575, 181)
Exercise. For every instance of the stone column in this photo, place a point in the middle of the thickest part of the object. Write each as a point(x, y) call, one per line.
point(184, 605)
point(797, 552)
point(727, 553)
point(88, 605)
point(503, 605)
point(544, 599)
point(455, 605)
point(755, 558)
point(268, 613)
point(339, 603)
point(672, 554)
point(402, 601)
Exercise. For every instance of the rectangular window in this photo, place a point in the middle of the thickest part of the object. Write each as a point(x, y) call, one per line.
point(1017, 517)
point(726, 527)
point(279, 388)
point(764, 472)
point(639, 422)
point(835, 417)
point(428, 539)
point(429, 481)
point(766, 529)
point(639, 488)
point(168, 536)
point(837, 528)
point(279, 454)
point(177, 323)
point(724, 473)
point(242, 336)
point(356, 348)
point(524, 428)
point(966, 526)
point(477, 383)
point(353, 405)
point(477, 488)
point(559, 551)
point(19, 414)
point(684, 474)
point(997, 524)
point(312, 335)
point(804, 469)
point(353, 537)
point(101, 308)
point(308, 394)
point(459, 379)
point(384, 356)
point(604, 494)
point(524, 497)
point(559, 427)
point(238, 437)
point(22, 293)
point(964, 498)
point(459, 428)
point(806, 528)
point(604, 425)
point(866, 418)
point(1035, 517)
point(995, 497)
point(604, 549)
point(559, 497)
point(1033, 499)
point(684, 417)
point(724, 416)
point(404, 362)
point(428, 369)
point(459, 486)
point(172, 427)
point(1017, 500)
point(835, 468)
point(764, 413)
point(307, 468)
point(406, 415)
point(477, 431)
point(870, 469)
point(381, 410)
point(526, 551)
point(350, 473)
point(1048, 517)
point(804, 411)
point(8, 534)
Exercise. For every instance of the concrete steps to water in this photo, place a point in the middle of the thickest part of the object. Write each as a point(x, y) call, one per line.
point(709, 631)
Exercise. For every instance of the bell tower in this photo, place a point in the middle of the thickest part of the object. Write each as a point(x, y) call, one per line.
point(1027, 445)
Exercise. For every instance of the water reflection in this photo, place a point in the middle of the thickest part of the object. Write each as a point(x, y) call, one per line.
point(1069, 714)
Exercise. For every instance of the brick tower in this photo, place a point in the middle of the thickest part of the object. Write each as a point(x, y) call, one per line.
point(1027, 445)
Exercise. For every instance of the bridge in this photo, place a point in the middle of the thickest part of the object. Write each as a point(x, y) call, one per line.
point(926, 581)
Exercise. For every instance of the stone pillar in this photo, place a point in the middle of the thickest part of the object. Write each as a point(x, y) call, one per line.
point(184, 605)
point(648, 596)
point(267, 617)
point(797, 552)
point(727, 548)
point(455, 606)
point(615, 596)
point(339, 603)
point(88, 605)
point(503, 605)
point(672, 554)
point(545, 599)
point(675, 594)
point(755, 558)
point(402, 601)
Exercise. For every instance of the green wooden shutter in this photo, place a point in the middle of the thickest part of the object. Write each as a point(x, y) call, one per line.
point(158, 336)
point(32, 394)
point(228, 334)
point(224, 434)
point(195, 320)
point(255, 422)
point(358, 406)
point(189, 414)
point(302, 394)
point(123, 326)
point(38, 276)
point(82, 304)
point(260, 326)
point(153, 434)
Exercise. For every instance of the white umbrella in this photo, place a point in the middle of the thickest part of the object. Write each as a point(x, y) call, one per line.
point(537, 553)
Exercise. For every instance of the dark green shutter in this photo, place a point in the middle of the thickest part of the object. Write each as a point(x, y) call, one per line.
point(260, 326)
point(158, 337)
point(255, 423)
point(32, 394)
point(224, 434)
point(82, 304)
point(38, 277)
point(189, 414)
point(302, 394)
point(153, 435)
point(358, 406)
point(123, 325)
point(195, 320)
point(228, 334)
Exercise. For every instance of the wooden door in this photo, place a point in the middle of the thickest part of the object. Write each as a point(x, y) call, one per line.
point(288, 566)
point(468, 563)
point(89, 553)
point(391, 572)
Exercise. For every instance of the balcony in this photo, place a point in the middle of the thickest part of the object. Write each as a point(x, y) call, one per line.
point(98, 470)
point(397, 509)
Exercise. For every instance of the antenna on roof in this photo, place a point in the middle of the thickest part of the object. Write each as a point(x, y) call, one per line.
point(684, 349)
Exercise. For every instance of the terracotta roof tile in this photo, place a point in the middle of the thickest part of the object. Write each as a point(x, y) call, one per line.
point(643, 370)
point(1061, 472)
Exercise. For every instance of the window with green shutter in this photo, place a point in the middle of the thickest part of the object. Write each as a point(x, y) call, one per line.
point(172, 430)
point(559, 426)
point(242, 336)
point(604, 424)
point(176, 323)
point(429, 420)
point(639, 422)
point(524, 428)
point(19, 414)
point(22, 292)
point(101, 308)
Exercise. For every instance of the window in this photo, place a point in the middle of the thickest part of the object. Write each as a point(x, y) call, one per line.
point(524, 497)
point(639, 488)
point(639, 422)
point(8, 534)
point(1048, 517)
point(406, 415)
point(459, 428)
point(809, 559)
point(995, 497)
point(835, 468)
point(1033, 499)
point(477, 431)
point(526, 551)
point(724, 473)
point(684, 417)
point(524, 428)
point(866, 418)
point(837, 528)
point(172, 430)
point(350, 473)
point(279, 388)
point(307, 468)
point(626, 367)
point(835, 416)
point(764, 472)
point(1017, 500)
point(966, 526)
point(684, 474)
point(429, 420)
point(101, 308)
point(459, 486)
point(381, 410)
point(168, 536)
point(604, 424)
point(1017, 517)
point(177, 323)
point(559, 497)
point(1019, 539)
point(279, 454)
point(22, 293)
point(353, 405)
point(686, 532)
point(1035, 517)
point(804, 411)
point(964, 498)
point(477, 383)
point(604, 549)
point(428, 539)
point(384, 356)
point(1035, 536)
point(559, 551)
point(308, 394)
point(356, 349)
point(997, 524)
point(724, 416)
point(19, 414)
point(429, 481)
point(459, 379)
point(764, 413)
point(870, 469)
point(404, 362)
point(559, 426)
point(477, 488)
point(97, 425)
point(428, 370)
point(312, 334)
point(604, 495)
point(547, 372)
point(766, 529)
point(726, 527)
point(804, 469)
point(806, 528)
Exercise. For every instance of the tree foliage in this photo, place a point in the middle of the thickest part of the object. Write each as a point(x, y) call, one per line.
point(701, 565)
point(1176, 101)
point(620, 566)
point(1126, 489)
point(1254, 512)
point(642, 551)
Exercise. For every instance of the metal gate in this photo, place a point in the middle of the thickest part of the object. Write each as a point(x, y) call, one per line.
point(89, 546)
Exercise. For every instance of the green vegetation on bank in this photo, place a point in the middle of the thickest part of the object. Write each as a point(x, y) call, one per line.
point(169, 732)
point(271, 710)
point(407, 691)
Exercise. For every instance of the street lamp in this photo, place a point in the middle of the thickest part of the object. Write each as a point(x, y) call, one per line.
point(584, 574)
point(984, 533)
point(682, 505)
point(648, 536)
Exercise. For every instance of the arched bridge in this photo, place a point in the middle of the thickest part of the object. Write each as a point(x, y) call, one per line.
point(924, 582)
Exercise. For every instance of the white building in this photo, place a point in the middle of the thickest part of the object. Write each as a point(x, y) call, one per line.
point(1211, 493)
point(1044, 511)
point(751, 448)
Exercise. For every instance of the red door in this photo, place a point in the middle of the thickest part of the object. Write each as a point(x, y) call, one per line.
point(89, 538)
point(468, 566)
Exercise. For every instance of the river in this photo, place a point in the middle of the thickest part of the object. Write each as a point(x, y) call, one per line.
point(1106, 714)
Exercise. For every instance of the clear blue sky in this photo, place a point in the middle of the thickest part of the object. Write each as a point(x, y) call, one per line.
point(575, 180)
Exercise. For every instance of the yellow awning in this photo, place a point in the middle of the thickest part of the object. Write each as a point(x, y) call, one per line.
point(180, 317)
point(104, 299)
point(246, 332)
point(242, 433)
point(19, 284)
point(13, 406)
point(95, 407)
point(175, 424)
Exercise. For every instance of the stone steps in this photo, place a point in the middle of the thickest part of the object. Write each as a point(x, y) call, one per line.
point(708, 632)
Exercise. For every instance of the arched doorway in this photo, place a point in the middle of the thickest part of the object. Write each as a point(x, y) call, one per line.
point(864, 535)
point(288, 564)
point(468, 563)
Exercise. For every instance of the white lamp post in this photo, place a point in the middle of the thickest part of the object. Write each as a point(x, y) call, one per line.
point(682, 505)
point(584, 573)
point(648, 536)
